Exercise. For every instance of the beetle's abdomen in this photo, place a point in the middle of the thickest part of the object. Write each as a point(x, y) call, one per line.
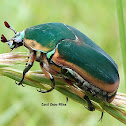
point(93, 90)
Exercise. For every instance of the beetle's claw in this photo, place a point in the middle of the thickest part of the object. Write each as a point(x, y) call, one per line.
point(45, 91)
point(39, 90)
point(42, 91)
point(19, 84)
point(67, 99)
point(90, 108)
point(101, 116)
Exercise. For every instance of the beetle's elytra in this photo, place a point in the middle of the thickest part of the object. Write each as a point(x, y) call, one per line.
point(67, 51)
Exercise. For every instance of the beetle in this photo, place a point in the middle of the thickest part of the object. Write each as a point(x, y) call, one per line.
point(66, 51)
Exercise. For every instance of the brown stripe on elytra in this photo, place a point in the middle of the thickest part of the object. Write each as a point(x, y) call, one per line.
point(99, 83)
point(35, 45)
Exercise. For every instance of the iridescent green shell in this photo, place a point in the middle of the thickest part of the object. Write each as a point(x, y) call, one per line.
point(73, 49)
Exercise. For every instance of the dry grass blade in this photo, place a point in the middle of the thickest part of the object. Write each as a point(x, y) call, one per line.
point(37, 79)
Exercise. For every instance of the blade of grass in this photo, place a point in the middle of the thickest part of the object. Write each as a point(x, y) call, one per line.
point(37, 79)
point(10, 113)
point(122, 33)
point(117, 108)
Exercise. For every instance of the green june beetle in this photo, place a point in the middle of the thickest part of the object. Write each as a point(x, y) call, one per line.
point(66, 51)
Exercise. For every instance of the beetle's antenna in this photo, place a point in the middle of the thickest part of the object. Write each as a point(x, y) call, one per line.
point(3, 38)
point(8, 26)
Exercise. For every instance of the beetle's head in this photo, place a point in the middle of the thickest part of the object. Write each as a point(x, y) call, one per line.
point(15, 41)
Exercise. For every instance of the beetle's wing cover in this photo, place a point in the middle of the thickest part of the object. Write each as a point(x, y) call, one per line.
point(93, 45)
point(88, 59)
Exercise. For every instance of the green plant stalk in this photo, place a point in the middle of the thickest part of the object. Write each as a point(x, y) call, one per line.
point(38, 80)
point(122, 33)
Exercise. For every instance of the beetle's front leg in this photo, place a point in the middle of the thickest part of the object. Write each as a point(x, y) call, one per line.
point(27, 68)
point(27, 59)
point(48, 75)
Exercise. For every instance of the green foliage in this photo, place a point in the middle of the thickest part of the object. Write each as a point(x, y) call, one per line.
point(22, 105)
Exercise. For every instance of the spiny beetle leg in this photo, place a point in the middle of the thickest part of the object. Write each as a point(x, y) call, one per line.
point(53, 86)
point(24, 72)
point(48, 75)
point(27, 68)
point(70, 74)
point(90, 105)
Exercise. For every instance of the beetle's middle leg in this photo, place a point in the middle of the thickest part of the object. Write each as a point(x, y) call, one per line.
point(90, 105)
point(48, 75)
point(27, 68)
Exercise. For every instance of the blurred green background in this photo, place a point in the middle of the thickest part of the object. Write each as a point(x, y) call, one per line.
point(21, 106)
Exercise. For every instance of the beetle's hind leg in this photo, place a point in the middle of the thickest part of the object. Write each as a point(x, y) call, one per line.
point(27, 68)
point(48, 75)
point(90, 106)
point(69, 73)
